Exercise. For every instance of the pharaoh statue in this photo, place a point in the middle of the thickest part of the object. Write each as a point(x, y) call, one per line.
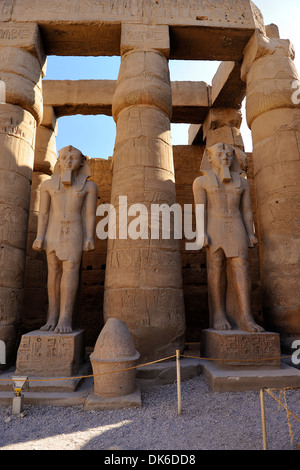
point(228, 233)
point(66, 225)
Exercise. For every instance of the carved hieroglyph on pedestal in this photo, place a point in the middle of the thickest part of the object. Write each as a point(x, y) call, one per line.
point(45, 354)
point(241, 349)
point(66, 226)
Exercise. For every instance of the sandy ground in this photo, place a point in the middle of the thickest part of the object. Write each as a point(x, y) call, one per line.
point(209, 421)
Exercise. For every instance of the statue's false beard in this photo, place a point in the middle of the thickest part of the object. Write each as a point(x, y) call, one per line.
point(66, 177)
point(225, 174)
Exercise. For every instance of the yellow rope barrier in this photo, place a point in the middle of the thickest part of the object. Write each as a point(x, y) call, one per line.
point(149, 363)
point(92, 375)
point(237, 360)
point(281, 404)
point(284, 406)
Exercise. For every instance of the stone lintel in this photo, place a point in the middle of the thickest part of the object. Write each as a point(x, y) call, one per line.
point(191, 100)
point(210, 13)
point(228, 89)
point(145, 37)
point(23, 36)
point(198, 30)
point(237, 348)
point(69, 97)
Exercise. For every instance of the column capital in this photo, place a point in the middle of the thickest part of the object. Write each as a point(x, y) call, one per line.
point(258, 46)
point(23, 36)
point(145, 37)
point(261, 46)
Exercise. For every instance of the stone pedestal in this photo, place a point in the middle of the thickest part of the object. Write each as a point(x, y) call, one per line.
point(45, 354)
point(240, 349)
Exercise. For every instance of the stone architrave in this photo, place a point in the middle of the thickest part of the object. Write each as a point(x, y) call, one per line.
point(22, 63)
point(143, 285)
point(273, 115)
point(66, 226)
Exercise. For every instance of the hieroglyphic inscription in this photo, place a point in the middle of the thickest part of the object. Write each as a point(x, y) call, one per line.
point(246, 347)
point(163, 11)
point(254, 349)
point(12, 34)
point(238, 348)
point(48, 354)
point(284, 209)
point(10, 303)
point(139, 307)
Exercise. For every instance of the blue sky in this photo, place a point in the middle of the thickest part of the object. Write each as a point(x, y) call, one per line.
point(95, 135)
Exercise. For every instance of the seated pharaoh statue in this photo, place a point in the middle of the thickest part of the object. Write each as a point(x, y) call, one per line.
point(66, 226)
point(228, 233)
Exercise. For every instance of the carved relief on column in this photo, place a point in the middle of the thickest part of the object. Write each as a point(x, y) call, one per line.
point(21, 67)
point(274, 117)
point(143, 284)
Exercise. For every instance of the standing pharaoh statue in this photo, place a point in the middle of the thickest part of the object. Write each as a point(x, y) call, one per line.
point(66, 225)
point(228, 233)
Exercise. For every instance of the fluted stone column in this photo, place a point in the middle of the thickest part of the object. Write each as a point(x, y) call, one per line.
point(143, 285)
point(273, 118)
point(35, 284)
point(21, 64)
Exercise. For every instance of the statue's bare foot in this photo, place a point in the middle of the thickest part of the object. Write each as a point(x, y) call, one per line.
point(248, 324)
point(50, 325)
point(63, 326)
point(221, 323)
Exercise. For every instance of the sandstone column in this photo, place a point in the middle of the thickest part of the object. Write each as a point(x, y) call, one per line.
point(274, 119)
point(21, 63)
point(35, 283)
point(143, 285)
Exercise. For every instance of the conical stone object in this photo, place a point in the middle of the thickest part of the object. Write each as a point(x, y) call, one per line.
point(113, 354)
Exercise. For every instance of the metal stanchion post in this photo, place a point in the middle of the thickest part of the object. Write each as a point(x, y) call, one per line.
point(178, 381)
point(263, 418)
